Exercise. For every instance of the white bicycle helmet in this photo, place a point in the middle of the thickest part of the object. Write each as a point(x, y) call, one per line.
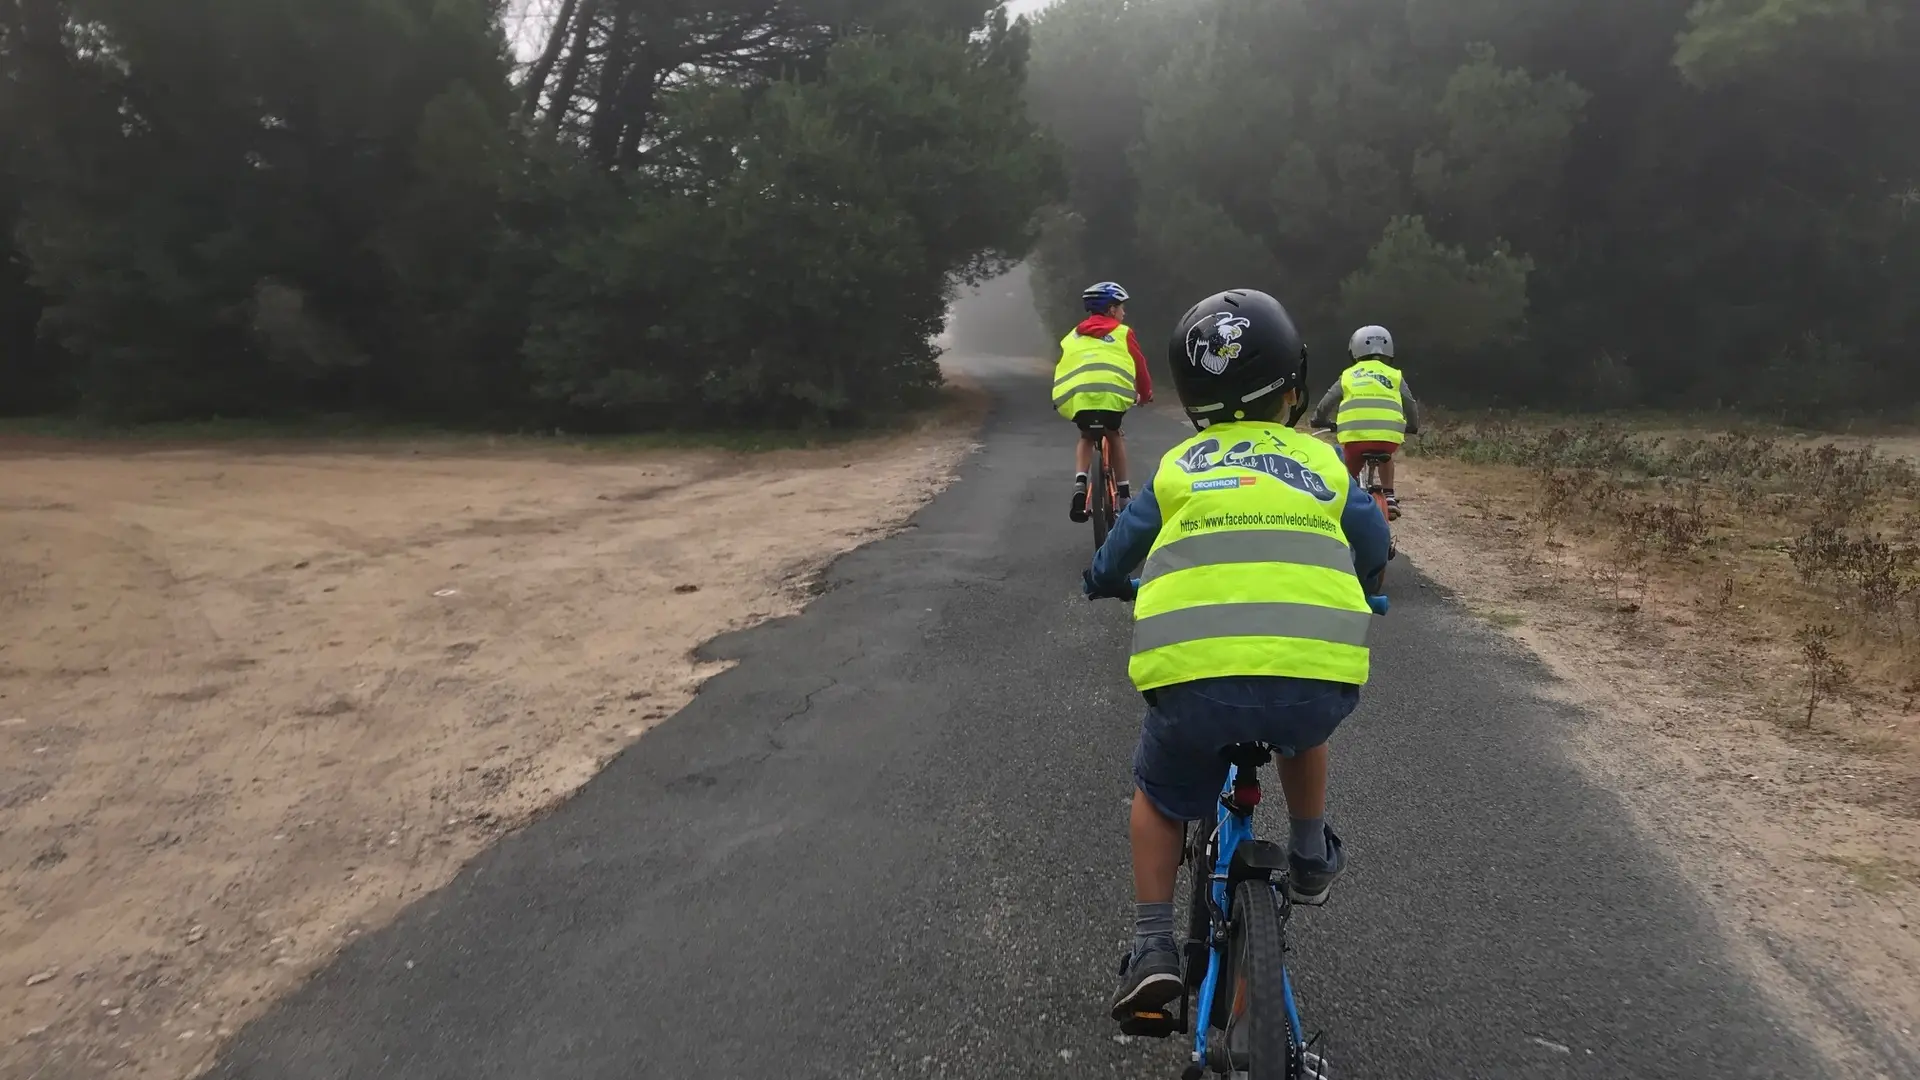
point(1371, 341)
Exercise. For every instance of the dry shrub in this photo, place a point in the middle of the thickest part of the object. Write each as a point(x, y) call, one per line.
point(1827, 676)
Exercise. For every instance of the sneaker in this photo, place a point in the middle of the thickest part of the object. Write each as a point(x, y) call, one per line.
point(1078, 511)
point(1393, 507)
point(1149, 979)
point(1310, 880)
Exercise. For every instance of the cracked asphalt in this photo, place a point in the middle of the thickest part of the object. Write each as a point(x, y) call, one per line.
point(891, 843)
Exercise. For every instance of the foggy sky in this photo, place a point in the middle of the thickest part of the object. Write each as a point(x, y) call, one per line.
point(527, 22)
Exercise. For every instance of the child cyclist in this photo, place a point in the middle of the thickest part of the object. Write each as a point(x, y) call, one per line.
point(1250, 623)
point(1376, 410)
point(1101, 374)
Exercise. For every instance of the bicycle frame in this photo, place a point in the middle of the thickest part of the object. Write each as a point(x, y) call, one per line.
point(1105, 450)
point(1370, 479)
point(1232, 828)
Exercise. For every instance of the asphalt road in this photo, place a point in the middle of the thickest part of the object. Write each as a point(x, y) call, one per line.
point(891, 843)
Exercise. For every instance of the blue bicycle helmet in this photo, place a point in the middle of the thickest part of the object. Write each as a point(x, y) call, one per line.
point(1098, 298)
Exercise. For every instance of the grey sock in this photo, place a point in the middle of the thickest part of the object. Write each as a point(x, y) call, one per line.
point(1310, 838)
point(1080, 480)
point(1151, 922)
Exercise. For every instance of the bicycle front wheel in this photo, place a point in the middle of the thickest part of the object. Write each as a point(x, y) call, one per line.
point(1260, 1037)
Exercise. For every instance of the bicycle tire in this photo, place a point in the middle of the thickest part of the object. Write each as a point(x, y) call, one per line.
point(1256, 953)
point(1100, 494)
point(1381, 501)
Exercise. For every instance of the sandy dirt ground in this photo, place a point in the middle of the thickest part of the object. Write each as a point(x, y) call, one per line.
point(1804, 848)
point(253, 702)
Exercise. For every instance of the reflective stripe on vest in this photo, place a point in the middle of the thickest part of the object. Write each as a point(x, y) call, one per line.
point(1251, 573)
point(1094, 373)
point(1371, 407)
point(1248, 546)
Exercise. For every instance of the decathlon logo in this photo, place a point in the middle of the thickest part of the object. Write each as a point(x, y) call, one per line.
point(1219, 482)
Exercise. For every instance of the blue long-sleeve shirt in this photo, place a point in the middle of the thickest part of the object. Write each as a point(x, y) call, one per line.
point(1135, 530)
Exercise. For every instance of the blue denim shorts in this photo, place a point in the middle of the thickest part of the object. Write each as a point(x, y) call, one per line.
point(1179, 763)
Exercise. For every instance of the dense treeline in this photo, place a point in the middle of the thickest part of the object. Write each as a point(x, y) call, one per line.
point(675, 212)
point(1567, 202)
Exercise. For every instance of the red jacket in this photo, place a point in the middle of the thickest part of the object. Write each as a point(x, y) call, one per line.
point(1101, 326)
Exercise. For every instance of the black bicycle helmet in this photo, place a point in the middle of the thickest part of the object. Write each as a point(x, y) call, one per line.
point(1234, 356)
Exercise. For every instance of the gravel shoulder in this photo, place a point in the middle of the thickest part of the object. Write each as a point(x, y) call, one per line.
point(253, 702)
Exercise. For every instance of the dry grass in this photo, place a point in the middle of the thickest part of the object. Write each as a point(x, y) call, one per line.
point(1876, 874)
point(1798, 565)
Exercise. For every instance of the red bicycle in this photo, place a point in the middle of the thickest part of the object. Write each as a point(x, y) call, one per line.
point(1369, 478)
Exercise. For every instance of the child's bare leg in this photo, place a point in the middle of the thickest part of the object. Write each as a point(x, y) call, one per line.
point(1156, 851)
point(1304, 778)
point(1082, 456)
point(1119, 458)
point(1386, 474)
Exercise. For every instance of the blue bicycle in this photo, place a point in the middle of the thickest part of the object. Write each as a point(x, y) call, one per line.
point(1238, 1002)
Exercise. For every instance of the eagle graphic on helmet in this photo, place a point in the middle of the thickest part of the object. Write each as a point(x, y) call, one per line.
point(1214, 341)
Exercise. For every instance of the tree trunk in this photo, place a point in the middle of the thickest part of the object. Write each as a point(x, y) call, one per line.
point(549, 56)
point(561, 103)
point(643, 86)
point(603, 139)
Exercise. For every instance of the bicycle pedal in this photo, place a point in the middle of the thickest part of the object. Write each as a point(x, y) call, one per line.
point(1154, 1024)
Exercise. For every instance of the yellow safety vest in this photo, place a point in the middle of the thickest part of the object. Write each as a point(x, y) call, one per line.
point(1251, 573)
point(1094, 373)
point(1371, 408)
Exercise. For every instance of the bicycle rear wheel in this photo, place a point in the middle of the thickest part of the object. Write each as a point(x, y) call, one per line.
point(1259, 1028)
point(1100, 493)
point(1370, 477)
